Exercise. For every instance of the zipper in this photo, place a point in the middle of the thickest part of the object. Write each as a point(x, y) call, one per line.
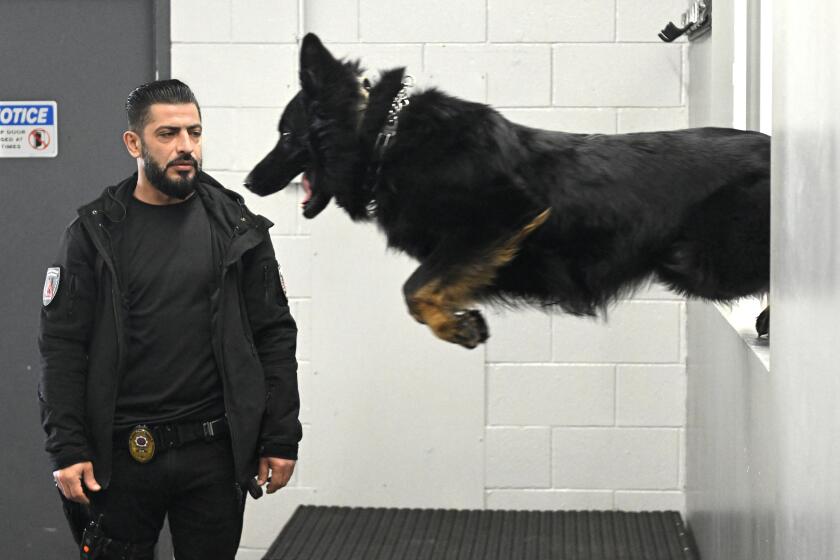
point(118, 297)
point(220, 320)
point(246, 327)
point(266, 286)
point(72, 289)
point(223, 270)
point(116, 302)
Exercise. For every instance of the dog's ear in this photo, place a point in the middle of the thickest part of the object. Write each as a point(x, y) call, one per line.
point(315, 61)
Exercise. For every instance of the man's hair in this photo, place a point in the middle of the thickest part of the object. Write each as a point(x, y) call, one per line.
point(172, 92)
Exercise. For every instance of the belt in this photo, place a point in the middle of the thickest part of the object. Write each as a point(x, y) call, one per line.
point(169, 436)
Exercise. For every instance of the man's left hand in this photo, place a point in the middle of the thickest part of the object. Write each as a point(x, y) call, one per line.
point(280, 472)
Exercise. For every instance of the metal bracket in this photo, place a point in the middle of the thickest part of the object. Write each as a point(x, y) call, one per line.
point(694, 22)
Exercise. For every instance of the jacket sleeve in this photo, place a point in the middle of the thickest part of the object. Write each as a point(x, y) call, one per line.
point(64, 333)
point(275, 338)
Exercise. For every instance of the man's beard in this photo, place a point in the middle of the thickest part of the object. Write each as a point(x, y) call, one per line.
point(179, 188)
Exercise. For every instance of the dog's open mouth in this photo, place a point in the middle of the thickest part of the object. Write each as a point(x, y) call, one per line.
point(314, 200)
point(307, 188)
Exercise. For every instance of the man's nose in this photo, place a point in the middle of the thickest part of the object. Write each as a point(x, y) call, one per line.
point(186, 144)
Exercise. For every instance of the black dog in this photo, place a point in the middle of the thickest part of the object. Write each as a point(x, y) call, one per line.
point(496, 211)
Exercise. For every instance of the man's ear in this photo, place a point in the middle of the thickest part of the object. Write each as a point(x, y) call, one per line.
point(315, 61)
point(132, 143)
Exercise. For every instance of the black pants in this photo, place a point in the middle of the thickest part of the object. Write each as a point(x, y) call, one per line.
point(194, 484)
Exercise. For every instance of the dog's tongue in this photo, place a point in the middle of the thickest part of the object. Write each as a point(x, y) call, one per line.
point(307, 187)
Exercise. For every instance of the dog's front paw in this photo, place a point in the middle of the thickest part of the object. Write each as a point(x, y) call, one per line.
point(471, 328)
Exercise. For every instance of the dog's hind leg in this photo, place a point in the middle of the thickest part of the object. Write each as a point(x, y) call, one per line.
point(723, 251)
point(442, 287)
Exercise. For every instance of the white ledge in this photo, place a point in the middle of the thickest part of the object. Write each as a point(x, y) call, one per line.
point(741, 316)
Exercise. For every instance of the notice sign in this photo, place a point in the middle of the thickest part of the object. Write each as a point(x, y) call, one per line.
point(28, 129)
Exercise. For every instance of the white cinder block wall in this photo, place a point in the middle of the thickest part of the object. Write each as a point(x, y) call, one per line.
point(577, 413)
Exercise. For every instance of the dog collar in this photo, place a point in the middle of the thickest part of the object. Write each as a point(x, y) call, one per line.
point(389, 129)
point(383, 139)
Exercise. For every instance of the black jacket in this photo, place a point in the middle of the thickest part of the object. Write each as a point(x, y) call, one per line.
point(83, 340)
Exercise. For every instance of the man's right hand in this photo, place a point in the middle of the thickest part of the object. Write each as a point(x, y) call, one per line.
point(69, 481)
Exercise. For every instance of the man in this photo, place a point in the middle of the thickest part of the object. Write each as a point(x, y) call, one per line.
point(168, 350)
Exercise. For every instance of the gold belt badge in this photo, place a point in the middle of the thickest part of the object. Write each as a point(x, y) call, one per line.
point(141, 444)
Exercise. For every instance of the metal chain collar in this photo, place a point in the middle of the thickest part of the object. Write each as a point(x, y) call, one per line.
point(400, 102)
point(389, 130)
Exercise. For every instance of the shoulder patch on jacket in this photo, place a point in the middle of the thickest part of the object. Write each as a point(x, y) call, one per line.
point(51, 285)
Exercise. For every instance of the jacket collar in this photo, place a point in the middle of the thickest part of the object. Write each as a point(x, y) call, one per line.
point(226, 206)
point(226, 209)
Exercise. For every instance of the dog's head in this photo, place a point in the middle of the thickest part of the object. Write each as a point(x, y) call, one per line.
point(318, 132)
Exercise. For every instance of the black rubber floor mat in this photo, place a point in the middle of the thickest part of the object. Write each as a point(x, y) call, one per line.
point(342, 533)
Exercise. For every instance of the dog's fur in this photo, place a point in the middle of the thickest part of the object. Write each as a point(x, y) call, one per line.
point(496, 211)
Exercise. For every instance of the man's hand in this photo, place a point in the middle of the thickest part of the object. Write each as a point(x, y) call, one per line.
point(69, 481)
point(281, 472)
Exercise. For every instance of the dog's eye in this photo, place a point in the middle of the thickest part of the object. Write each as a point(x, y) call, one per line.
point(285, 136)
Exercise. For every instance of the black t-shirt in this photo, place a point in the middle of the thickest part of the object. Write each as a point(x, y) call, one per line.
point(166, 264)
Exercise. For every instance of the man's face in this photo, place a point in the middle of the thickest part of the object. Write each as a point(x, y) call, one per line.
point(171, 148)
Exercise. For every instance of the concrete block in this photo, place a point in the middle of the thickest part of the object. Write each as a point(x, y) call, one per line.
point(238, 75)
point(400, 415)
point(505, 68)
point(205, 21)
point(265, 518)
point(282, 208)
point(295, 257)
point(299, 477)
point(226, 178)
point(433, 21)
point(218, 127)
point(264, 21)
point(617, 75)
point(237, 139)
point(305, 390)
point(518, 458)
point(635, 332)
point(377, 57)
point(551, 395)
point(550, 500)
point(558, 21)
point(518, 336)
point(615, 458)
point(471, 86)
point(332, 20)
point(650, 501)
point(650, 395)
point(648, 120)
point(254, 134)
point(304, 225)
point(303, 317)
point(585, 121)
point(683, 451)
point(641, 20)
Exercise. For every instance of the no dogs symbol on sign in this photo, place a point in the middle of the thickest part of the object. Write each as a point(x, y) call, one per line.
point(28, 129)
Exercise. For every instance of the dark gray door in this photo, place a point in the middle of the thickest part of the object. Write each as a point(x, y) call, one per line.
point(86, 55)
